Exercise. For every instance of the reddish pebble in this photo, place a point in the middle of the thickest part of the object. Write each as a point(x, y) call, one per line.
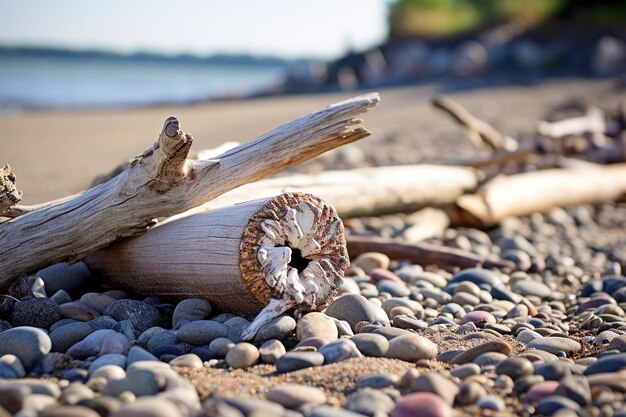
point(532, 310)
point(379, 274)
point(541, 390)
point(422, 404)
point(477, 316)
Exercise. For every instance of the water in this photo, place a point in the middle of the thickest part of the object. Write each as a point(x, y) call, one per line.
point(30, 81)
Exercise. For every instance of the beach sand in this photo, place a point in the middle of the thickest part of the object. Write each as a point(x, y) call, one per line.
point(58, 153)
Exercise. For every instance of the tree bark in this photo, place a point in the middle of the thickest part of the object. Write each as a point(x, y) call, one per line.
point(162, 182)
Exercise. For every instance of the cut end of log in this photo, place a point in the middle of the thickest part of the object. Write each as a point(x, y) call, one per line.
point(293, 254)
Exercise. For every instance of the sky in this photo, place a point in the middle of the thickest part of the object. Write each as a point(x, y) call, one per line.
point(322, 29)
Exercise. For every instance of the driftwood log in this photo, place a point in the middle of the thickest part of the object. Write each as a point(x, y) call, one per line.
point(163, 182)
point(267, 256)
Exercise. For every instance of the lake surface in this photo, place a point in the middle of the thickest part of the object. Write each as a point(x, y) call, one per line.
point(98, 82)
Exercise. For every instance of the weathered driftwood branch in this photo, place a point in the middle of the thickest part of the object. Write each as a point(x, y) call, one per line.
point(540, 191)
point(280, 252)
point(422, 253)
point(478, 130)
point(365, 191)
point(162, 182)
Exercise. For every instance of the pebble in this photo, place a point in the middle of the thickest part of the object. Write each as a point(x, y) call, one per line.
point(294, 395)
point(422, 404)
point(279, 328)
point(84, 349)
point(139, 382)
point(515, 367)
point(97, 301)
point(526, 336)
point(70, 411)
point(190, 309)
point(148, 407)
point(220, 347)
point(236, 326)
point(370, 260)
point(575, 388)
point(271, 350)
point(6, 372)
point(36, 312)
point(68, 277)
point(469, 393)
point(12, 397)
point(618, 343)
point(316, 324)
point(549, 405)
point(242, 356)
point(607, 364)
point(411, 347)
point(529, 287)
point(491, 402)
point(201, 332)
point(552, 371)
point(61, 297)
point(437, 384)
point(541, 390)
point(136, 354)
point(378, 381)
point(370, 344)
point(369, 402)
point(474, 352)
point(465, 370)
point(142, 315)
point(115, 343)
point(354, 308)
point(293, 361)
point(555, 345)
point(478, 277)
point(78, 310)
point(64, 337)
point(339, 350)
point(189, 360)
point(29, 344)
point(478, 316)
point(14, 363)
point(108, 359)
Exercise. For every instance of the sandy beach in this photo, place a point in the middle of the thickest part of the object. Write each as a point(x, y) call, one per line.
point(58, 153)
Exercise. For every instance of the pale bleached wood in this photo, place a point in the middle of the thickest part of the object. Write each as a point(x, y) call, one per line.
point(365, 191)
point(540, 191)
point(162, 182)
point(594, 121)
point(426, 223)
point(241, 258)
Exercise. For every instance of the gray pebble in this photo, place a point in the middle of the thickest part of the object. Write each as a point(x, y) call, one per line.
point(606, 364)
point(189, 360)
point(549, 405)
point(526, 336)
point(7, 372)
point(552, 371)
point(618, 343)
point(236, 326)
point(293, 361)
point(136, 354)
point(201, 332)
point(469, 393)
point(377, 381)
point(36, 312)
point(139, 382)
point(102, 322)
point(465, 370)
point(529, 287)
point(97, 301)
point(411, 347)
point(29, 344)
point(83, 349)
point(68, 277)
point(490, 358)
point(316, 324)
point(555, 345)
point(437, 384)
point(491, 402)
point(64, 337)
point(515, 367)
point(220, 347)
point(142, 315)
point(279, 328)
point(396, 289)
point(126, 328)
point(108, 359)
point(191, 309)
point(149, 406)
point(271, 350)
point(370, 344)
point(369, 402)
point(328, 411)
point(339, 350)
point(354, 308)
point(161, 338)
point(242, 356)
point(61, 297)
point(575, 388)
point(116, 343)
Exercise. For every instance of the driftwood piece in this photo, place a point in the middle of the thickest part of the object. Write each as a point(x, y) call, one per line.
point(423, 253)
point(479, 131)
point(540, 191)
point(594, 121)
point(427, 223)
point(280, 252)
point(162, 182)
point(365, 191)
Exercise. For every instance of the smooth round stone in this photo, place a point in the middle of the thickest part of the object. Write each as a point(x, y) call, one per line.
point(271, 350)
point(378, 381)
point(474, 352)
point(61, 297)
point(465, 370)
point(408, 323)
point(411, 348)
point(75, 393)
point(139, 382)
point(78, 310)
point(104, 405)
point(83, 349)
point(236, 326)
point(370, 260)
point(108, 359)
point(36, 312)
point(491, 402)
point(618, 343)
point(316, 324)
point(142, 315)
point(490, 358)
point(437, 384)
point(6, 372)
point(575, 388)
point(108, 372)
point(607, 364)
point(68, 277)
point(126, 328)
point(313, 342)
point(161, 338)
point(97, 301)
point(136, 354)
point(421, 277)
point(369, 402)
point(549, 405)
point(64, 337)
point(116, 343)
point(555, 345)
point(526, 336)
point(478, 277)
point(242, 356)
point(595, 302)
point(478, 316)
point(396, 289)
point(349, 286)
point(463, 298)
point(605, 337)
point(191, 309)
point(148, 407)
point(469, 393)
point(189, 360)
point(294, 395)
point(220, 347)
point(552, 370)
point(201, 332)
point(12, 397)
point(541, 390)
point(394, 302)
point(529, 287)
point(329, 411)
point(69, 411)
point(370, 344)
point(102, 323)
point(422, 404)
point(515, 367)
point(279, 328)
point(293, 361)
point(339, 351)
point(29, 344)
point(354, 308)
point(14, 363)
point(389, 332)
